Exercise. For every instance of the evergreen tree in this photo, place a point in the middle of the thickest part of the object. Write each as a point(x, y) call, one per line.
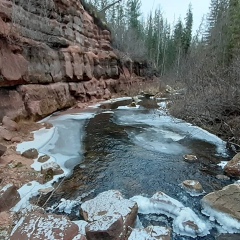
point(187, 32)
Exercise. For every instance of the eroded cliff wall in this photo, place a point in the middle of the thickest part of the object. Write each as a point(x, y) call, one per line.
point(52, 54)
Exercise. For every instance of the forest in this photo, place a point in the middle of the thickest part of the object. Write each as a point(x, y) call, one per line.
point(206, 63)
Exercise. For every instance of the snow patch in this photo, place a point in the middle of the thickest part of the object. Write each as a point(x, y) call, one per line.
point(222, 164)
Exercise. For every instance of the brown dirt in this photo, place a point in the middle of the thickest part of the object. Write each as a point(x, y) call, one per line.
point(15, 169)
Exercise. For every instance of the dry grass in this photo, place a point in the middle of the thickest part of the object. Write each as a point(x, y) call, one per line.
point(138, 85)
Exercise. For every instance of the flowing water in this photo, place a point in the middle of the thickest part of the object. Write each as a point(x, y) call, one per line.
point(137, 150)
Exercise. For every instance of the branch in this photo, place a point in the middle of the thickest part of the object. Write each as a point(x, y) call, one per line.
point(109, 6)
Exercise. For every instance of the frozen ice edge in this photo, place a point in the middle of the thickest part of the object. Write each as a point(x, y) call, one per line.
point(228, 224)
point(42, 138)
point(174, 209)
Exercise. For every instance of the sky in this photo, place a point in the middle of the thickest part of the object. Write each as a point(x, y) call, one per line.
point(173, 9)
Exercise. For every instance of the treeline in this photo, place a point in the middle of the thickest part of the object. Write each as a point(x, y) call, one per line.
point(152, 39)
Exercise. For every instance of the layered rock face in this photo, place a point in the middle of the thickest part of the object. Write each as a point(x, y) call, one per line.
point(52, 53)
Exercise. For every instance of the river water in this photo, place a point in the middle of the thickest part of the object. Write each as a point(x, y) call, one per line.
point(136, 150)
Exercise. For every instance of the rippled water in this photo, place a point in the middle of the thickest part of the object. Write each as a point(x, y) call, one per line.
point(138, 151)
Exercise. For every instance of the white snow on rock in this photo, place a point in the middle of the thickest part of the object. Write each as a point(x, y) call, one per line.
point(105, 223)
point(37, 225)
point(140, 234)
point(185, 221)
point(107, 203)
point(81, 225)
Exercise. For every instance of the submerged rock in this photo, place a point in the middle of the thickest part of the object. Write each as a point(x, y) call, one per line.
point(190, 158)
point(151, 233)
point(193, 187)
point(9, 197)
point(223, 206)
point(228, 237)
point(36, 225)
point(232, 168)
point(110, 215)
point(222, 177)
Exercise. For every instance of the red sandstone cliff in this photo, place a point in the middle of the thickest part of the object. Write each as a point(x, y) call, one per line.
point(52, 54)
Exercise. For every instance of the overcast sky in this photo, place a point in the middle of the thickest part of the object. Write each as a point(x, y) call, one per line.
point(172, 9)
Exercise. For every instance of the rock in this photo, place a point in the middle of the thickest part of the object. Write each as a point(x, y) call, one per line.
point(5, 134)
point(107, 227)
point(9, 124)
point(9, 197)
point(151, 233)
point(193, 187)
point(232, 168)
point(37, 225)
point(50, 169)
point(31, 153)
point(111, 204)
point(42, 100)
point(11, 103)
point(132, 104)
point(3, 149)
point(16, 140)
point(43, 158)
point(169, 89)
point(225, 201)
point(222, 177)
point(190, 158)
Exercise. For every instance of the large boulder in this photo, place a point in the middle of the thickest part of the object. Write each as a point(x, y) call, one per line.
point(109, 215)
point(151, 233)
point(36, 225)
point(232, 168)
point(224, 207)
point(9, 197)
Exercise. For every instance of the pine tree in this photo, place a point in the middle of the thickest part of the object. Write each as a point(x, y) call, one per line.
point(187, 32)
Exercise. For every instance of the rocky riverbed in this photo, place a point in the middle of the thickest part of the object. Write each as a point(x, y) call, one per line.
point(120, 170)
